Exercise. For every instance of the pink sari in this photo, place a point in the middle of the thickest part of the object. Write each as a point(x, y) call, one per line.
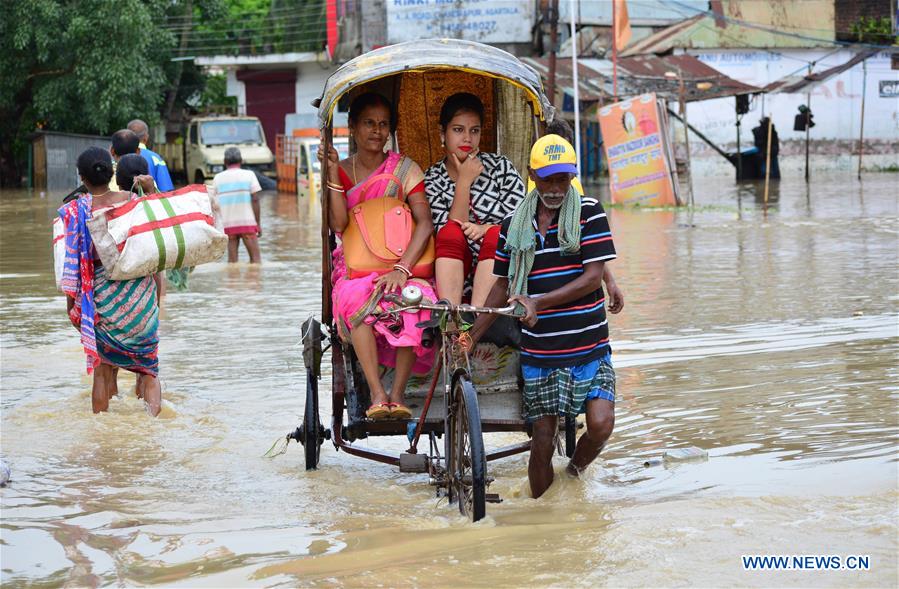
point(354, 299)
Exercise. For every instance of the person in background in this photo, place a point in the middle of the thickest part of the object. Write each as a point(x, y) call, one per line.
point(549, 259)
point(238, 195)
point(132, 171)
point(127, 142)
point(122, 143)
point(156, 164)
point(560, 127)
point(118, 319)
point(760, 138)
point(469, 192)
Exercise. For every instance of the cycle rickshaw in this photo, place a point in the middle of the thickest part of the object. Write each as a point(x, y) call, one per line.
point(481, 387)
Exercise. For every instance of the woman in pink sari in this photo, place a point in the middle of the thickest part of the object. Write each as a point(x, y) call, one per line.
point(371, 121)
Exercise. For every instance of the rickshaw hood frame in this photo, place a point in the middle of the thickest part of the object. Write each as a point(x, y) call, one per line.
point(432, 54)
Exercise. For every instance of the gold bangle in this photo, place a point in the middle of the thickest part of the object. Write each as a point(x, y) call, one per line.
point(403, 269)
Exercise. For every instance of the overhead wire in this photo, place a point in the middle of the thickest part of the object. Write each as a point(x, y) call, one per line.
point(295, 29)
point(733, 38)
point(807, 62)
point(769, 29)
point(712, 13)
point(297, 22)
point(257, 32)
point(267, 21)
point(261, 12)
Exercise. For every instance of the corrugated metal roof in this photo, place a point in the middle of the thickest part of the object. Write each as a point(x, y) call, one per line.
point(564, 79)
point(665, 40)
point(641, 74)
point(806, 83)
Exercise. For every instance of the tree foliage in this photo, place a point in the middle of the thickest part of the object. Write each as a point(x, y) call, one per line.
point(86, 66)
point(90, 66)
point(252, 27)
point(872, 29)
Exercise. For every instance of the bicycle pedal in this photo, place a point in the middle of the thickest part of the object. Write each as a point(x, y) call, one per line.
point(493, 498)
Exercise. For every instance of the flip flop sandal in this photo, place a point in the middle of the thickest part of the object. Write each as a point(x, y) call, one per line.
point(400, 411)
point(379, 411)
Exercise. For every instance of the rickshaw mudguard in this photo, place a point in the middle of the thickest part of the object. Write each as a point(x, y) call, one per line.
point(312, 346)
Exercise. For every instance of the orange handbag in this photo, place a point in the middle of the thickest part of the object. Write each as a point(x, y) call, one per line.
point(379, 231)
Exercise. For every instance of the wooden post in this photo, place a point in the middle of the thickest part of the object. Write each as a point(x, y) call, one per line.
point(553, 41)
point(768, 160)
point(328, 136)
point(861, 133)
point(808, 102)
point(739, 153)
point(683, 114)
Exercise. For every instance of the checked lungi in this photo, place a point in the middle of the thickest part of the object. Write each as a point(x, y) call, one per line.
point(565, 391)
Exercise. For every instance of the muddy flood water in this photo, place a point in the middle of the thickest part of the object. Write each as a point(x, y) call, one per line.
point(768, 336)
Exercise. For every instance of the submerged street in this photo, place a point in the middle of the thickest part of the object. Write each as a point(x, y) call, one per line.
point(768, 336)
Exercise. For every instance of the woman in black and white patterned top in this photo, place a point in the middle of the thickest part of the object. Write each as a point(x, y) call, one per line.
point(470, 193)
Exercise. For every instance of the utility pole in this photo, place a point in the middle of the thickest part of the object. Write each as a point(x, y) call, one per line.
point(553, 43)
point(861, 133)
point(808, 118)
point(739, 153)
point(683, 114)
point(574, 76)
point(614, 52)
point(768, 160)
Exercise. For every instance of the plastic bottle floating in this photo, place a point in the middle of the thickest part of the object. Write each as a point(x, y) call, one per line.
point(690, 453)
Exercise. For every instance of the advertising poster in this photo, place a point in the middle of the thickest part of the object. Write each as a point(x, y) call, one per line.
point(487, 21)
point(639, 171)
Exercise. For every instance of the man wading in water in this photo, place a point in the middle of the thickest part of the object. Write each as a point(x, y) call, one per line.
point(550, 259)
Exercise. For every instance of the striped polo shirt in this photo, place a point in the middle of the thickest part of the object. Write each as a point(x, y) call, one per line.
point(235, 188)
point(576, 332)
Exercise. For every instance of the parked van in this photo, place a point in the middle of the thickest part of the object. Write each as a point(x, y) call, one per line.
point(309, 168)
point(208, 137)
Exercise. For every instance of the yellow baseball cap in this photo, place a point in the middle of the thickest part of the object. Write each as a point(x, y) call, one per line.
point(551, 154)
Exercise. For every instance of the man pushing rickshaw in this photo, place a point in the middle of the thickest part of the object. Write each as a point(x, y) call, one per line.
point(550, 259)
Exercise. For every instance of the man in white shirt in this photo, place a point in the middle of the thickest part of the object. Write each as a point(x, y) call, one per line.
point(238, 195)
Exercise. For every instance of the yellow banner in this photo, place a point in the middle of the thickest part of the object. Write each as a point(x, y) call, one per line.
point(635, 151)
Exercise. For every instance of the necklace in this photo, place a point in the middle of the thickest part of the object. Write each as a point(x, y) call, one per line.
point(103, 193)
point(355, 178)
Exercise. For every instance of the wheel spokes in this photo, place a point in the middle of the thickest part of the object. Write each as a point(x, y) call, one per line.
point(463, 474)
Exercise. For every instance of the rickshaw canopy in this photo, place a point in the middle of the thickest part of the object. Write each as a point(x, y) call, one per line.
point(429, 55)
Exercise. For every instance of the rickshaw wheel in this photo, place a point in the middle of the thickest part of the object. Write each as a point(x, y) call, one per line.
point(570, 435)
point(467, 468)
point(312, 439)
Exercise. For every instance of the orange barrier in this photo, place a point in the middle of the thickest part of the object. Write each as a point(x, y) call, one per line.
point(286, 154)
point(311, 132)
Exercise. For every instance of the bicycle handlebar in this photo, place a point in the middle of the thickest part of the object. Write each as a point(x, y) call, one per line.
point(463, 308)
